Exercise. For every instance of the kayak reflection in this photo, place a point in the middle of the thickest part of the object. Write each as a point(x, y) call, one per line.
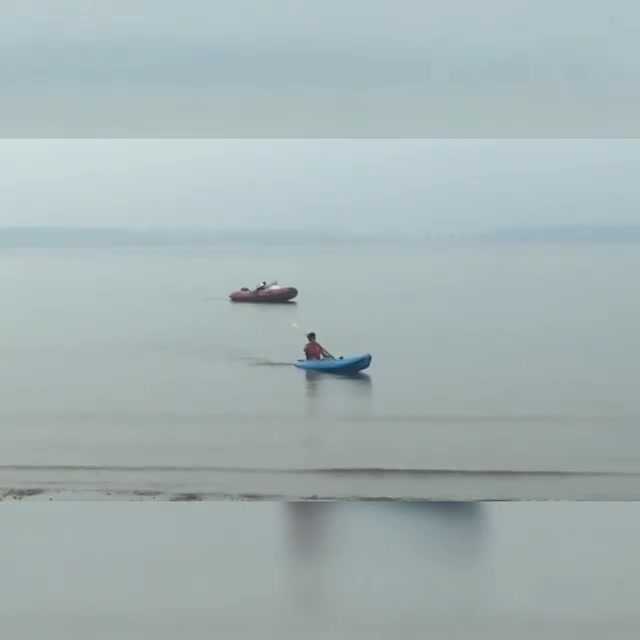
point(345, 393)
point(313, 378)
point(360, 382)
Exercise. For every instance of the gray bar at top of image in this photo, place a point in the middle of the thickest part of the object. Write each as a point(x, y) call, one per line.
point(279, 68)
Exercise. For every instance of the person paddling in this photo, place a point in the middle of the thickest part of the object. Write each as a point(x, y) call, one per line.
point(313, 350)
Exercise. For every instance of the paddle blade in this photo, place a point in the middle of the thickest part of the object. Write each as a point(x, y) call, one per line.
point(297, 327)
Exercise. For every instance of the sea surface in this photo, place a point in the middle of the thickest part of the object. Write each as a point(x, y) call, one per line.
point(301, 571)
point(498, 373)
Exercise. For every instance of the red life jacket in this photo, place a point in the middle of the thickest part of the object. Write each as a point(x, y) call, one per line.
point(313, 351)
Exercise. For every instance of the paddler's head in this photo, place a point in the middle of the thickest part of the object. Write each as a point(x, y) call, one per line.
point(311, 337)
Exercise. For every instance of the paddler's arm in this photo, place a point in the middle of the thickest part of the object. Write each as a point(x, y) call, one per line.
point(325, 353)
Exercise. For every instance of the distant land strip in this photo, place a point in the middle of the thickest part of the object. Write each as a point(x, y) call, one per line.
point(333, 471)
point(88, 237)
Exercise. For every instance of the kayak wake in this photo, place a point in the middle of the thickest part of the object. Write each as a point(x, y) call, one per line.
point(262, 362)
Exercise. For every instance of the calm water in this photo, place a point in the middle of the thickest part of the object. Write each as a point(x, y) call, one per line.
point(129, 370)
point(310, 570)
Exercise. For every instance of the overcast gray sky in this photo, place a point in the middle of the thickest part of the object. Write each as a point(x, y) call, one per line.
point(285, 67)
point(340, 185)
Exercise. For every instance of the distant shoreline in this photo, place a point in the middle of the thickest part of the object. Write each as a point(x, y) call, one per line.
point(112, 238)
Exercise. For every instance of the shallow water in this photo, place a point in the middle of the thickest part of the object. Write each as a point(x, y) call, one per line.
point(130, 370)
point(332, 570)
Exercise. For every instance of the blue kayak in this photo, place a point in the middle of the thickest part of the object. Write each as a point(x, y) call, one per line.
point(344, 366)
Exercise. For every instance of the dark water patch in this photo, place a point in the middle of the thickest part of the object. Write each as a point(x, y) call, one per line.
point(19, 494)
point(207, 496)
point(316, 376)
point(186, 497)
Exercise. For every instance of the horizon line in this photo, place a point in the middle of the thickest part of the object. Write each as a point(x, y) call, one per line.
point(37, 236)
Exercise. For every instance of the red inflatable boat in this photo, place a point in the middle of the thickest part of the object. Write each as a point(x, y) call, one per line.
point(273, 293)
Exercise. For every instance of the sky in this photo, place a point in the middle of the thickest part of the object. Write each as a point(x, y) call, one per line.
point(362, 186)
point(256, 68)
